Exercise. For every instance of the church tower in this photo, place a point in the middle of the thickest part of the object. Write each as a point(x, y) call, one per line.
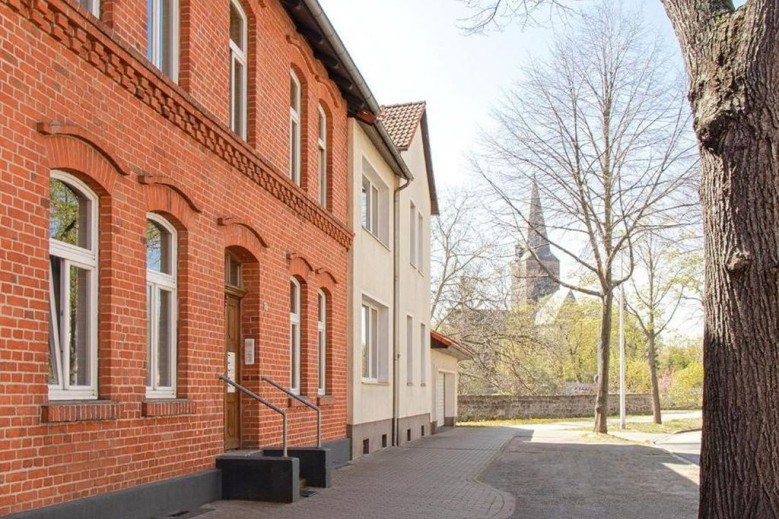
point(529, 281)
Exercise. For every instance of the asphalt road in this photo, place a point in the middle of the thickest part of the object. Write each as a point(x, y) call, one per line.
point(566, 474)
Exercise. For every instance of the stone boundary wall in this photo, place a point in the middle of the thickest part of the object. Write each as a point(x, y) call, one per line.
point(502, 407)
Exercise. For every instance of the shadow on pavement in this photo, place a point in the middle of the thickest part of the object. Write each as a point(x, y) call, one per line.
point(561, 475)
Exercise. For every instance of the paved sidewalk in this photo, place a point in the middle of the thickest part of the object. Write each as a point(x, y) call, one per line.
point(434, 477)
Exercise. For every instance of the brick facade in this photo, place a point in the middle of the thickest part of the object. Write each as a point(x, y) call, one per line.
point(77, 95)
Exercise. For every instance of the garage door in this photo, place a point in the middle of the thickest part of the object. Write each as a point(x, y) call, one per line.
point(440, 398)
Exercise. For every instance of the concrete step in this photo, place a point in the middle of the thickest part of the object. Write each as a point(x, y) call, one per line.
point(252, 476)
point(315, 464)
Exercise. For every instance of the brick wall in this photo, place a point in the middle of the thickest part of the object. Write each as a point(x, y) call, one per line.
point(77, 95)
point(497, 407)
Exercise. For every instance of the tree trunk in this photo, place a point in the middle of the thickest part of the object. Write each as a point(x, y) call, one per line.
point(604, 351)
point(652, 360)
point(732, 60)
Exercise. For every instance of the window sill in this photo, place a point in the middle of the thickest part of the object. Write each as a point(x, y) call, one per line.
point(409, 384)
point(291, 402)
point(79, 411)
point(167, 407)
point(368, 382)
point(325, 401)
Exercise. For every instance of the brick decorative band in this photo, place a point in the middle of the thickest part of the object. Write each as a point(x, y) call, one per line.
point(127, 68)
point(60, 412)
point(156, 408)
point(501, 407)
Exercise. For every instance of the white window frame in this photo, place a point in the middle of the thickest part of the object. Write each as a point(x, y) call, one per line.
point(420, 242)
point(323, 158)
point(369, 340)
point(409, 350)
point(423, 354)
point(295, 129)
point(93, 6)
point(238, 55)
point(322, 343)
point(168, 282)
point(412, 233)
point(86, 259)
point(154, 43)
point(294, 338)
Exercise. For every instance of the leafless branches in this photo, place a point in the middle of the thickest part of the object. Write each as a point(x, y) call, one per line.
point(603, 127)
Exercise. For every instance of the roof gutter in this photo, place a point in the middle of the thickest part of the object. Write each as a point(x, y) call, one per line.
point(328, 31)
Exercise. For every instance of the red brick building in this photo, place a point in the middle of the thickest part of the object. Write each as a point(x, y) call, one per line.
point(174, 192)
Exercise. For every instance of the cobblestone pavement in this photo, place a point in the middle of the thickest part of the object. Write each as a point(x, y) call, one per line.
point(435, 477)
point(564, 474)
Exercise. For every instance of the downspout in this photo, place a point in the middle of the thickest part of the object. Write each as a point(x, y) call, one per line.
point(396, 317)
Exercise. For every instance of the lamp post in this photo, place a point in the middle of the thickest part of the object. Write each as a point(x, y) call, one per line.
point(622, 356)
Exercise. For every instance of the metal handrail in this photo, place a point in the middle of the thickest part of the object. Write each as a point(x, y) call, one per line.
point(304, 402)
point(267, 404)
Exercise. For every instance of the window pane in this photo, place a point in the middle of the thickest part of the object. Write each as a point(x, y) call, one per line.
point(294, 95)
point(374, 343)
point(78, 342)
point(420, 243)
point(412, 246)
point(150, 28)
point(321, 337)
point(158, 248)
point(238, 97)
point(374, 227)
point(365, 340)
point(293, 333)
point(322, 126)
point(293, 298)
point(422, 354)
point(236, 26)
point(409, 349)
point(365, 202)
point(151, 318)
point(322, 176)
point(167, 27)
point(232, 272)
point(294, 140)
point(55, 311)
point(321, 312)
point(164, 339)
point(69, 220)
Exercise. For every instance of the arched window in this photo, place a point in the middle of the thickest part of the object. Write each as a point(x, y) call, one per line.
point(294, 128)
point(322, 342)
point(161, 307)
point(294, 335)
point(72, 289)
point(322, 148)
point(238, 67)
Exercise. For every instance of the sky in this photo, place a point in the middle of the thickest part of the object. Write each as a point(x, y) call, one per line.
point(414, 50)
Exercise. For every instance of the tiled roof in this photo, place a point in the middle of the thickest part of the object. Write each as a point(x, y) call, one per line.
point(401, 122)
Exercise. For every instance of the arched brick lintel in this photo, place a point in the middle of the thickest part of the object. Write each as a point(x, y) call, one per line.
point(76, 155)
point(240, 234)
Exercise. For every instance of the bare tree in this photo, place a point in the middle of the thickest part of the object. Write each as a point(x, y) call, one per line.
point(732, 57)
point(600, 131)
point(463, 261)
point(665, 274)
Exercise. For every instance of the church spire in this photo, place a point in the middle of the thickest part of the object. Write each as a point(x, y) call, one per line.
point(536, 237)
point(531, 278)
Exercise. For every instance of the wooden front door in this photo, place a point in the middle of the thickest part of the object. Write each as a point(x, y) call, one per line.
point(233, 370)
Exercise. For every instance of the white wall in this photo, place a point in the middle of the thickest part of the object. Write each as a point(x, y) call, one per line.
point(372, 277)
point(414, 294)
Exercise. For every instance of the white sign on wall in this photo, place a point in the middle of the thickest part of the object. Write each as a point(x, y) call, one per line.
point(232, 372)
point(248, 347)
